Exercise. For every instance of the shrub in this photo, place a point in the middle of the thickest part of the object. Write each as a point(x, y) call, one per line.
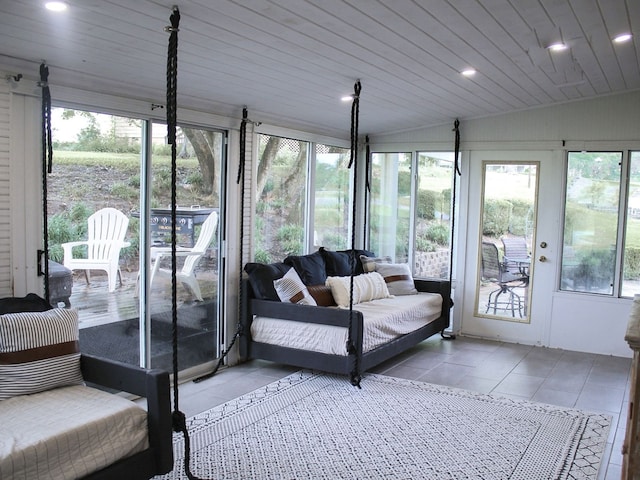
point(632, 263)
point(290, 238)
point(423, 244)
point(427, 202)
point(496, 218)
point(262, 256)
point(438, 233)
point(521, 217)
point(334, 241)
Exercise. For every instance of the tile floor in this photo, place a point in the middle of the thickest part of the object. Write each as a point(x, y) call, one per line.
point(572, 379)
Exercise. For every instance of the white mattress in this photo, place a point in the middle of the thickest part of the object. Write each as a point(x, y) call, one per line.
point(67, 433)
point(384, 320)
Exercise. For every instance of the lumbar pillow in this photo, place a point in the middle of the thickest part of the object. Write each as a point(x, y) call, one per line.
point(291, 289)
point(38, 351)
point(398, 278)
point(369, 263)
point(366, 287)
point(322, 295)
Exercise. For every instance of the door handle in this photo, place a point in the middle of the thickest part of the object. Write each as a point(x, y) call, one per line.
point(542, 258)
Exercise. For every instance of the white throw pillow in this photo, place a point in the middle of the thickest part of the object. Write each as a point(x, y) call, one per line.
point(398, 278)
point(291, 289)
point(366, 287)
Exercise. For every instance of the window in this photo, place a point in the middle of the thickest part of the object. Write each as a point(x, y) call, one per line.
point(303, 198)
point(591, 223)
point(631, 265)
point(410, 218)
point(332, 195)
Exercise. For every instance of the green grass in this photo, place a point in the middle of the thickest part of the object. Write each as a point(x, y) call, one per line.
point(120, 160)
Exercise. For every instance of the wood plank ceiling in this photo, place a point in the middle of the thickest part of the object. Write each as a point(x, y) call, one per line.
point(290, 61)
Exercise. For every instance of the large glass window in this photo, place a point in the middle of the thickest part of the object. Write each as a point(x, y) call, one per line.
point(432, 245)
point(331, 212)
point(99, 161)
point(303, 198)
point(281, 198)
point(591, 222)
point(390, 205)
point(410, 219)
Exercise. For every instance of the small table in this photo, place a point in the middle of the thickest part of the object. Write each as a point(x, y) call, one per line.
point(186, 219)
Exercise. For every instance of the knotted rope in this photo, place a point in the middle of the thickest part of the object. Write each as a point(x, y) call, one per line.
point(178, 417)
point(47, 163)
point(355, 112)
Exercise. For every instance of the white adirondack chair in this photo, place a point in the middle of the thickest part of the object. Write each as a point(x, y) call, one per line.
point(106, 231)
point(186, 275)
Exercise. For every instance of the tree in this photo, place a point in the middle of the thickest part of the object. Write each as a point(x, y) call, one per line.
point(266, 160)
point(207, 145)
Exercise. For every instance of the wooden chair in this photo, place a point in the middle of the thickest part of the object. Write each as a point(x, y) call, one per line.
point(186, 275)
point(105, 238)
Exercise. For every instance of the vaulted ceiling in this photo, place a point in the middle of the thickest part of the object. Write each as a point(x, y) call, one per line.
point(291, 61)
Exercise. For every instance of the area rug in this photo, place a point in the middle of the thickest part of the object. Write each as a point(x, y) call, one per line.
point(318, 426)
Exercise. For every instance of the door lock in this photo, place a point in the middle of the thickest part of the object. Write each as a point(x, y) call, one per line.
point(543, 244)
point(542, 258)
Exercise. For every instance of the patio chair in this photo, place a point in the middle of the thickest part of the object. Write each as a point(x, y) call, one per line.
point(516, 254)
point(186, 275)
point(105, 238)
point(495, 271)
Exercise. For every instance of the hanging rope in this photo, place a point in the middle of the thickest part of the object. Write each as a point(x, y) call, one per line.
point(456, 171)
point(367, 187)
point(47, 163)
point(239, 181)
point(355, 112)
point(178, 417)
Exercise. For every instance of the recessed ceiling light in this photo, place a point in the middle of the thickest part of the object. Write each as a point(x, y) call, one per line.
point(557, 47)
point(625, 37)
point(56, 6)
point(469, 72)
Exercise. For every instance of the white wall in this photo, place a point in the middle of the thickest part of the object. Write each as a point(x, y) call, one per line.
point(579, 322)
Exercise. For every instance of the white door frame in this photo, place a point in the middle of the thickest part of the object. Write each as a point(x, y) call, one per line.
point(548, 223)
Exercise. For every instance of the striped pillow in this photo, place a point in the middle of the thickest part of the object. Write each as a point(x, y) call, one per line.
point(369, 263)
point(291, 289)
point(38, 351)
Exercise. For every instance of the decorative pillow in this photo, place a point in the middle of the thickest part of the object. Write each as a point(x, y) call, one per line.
point(339, 263)
point(369, 263)
point(322, 295)
point(398, 278)
point(366, 287)
point(291, 289)
point(310, 268)
point(38, 351)
point(261, 277)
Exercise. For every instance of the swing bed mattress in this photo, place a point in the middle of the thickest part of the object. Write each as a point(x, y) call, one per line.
point(38, 441)
point(383, 321)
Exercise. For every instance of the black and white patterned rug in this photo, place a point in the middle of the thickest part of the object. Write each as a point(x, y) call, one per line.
point(317, 426)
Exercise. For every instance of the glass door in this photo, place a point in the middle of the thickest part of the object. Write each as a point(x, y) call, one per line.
point(198, 269)
point(98, 178)
point(512, 245)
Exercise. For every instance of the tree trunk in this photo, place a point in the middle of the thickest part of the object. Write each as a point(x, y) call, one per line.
point(207, 146)
point(266, 160)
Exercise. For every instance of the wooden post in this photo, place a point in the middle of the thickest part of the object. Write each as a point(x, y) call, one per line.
point(631, 446)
